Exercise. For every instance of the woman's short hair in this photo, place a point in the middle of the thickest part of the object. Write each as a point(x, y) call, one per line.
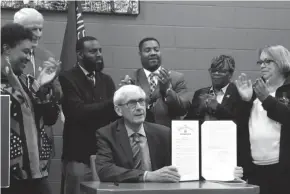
point(123, 93)
point(280, 55)
point(12, 34)
point(221, 61)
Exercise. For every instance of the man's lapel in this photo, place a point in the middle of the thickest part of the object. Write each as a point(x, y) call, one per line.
point(83, 80)
point(37, 60)
point(123, 139)
point(143, 81)
point(151, 140)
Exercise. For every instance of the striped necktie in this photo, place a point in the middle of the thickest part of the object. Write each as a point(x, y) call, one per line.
point(136, 149)
point(152, 83)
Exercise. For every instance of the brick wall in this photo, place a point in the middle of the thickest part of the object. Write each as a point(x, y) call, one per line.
point(190, 33)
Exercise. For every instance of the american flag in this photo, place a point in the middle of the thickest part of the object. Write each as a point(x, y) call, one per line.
point(80, 21)
point(75, 29)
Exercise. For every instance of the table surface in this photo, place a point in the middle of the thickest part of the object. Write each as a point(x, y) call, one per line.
point(104, 187)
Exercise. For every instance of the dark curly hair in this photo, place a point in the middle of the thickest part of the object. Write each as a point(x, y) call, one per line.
point(12, 34)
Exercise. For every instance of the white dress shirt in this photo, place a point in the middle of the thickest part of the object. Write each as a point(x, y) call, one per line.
point(220, 94)
point(147, 73)
point(86, 73)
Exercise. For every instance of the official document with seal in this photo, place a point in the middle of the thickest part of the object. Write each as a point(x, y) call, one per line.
point(218, 152)
point(185, 149)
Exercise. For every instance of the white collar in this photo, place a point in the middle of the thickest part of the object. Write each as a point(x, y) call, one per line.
point(147, 73)
point(85, 71)
point(224, 89)
point(130, 131)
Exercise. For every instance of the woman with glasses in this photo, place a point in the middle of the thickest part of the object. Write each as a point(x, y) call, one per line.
point(264, 114)
point(216, 102)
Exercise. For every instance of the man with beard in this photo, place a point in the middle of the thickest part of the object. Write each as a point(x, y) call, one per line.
point(166, 91)
point(87, 106)
point(216, 102)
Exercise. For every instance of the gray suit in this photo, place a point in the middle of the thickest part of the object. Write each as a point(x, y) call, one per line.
point(177, 101)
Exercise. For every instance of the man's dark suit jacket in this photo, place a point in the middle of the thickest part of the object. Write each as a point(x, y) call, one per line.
point(177, 101)
point(114, 161)
point(225, 111)
point(86, 109)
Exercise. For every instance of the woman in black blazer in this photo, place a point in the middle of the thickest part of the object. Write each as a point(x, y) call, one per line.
point(264, 117)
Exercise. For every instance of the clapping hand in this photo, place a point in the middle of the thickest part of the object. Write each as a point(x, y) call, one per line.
point(261, 89)
point(208, 103)
point(126, 81)
point(164, 80)
point(244, 86)
point(203, 100)
point(49, 72)
point(211, 103)
point(52, 65)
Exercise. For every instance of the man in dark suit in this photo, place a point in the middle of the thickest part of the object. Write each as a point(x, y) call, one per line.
point(216, 102)
point(131, 150)
point(166, 90)
point(87, 106)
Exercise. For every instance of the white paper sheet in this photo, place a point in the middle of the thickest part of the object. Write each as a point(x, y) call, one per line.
point(185, 149)
point(219, 150)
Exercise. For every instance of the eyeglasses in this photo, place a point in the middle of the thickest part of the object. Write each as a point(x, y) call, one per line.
point(266, 62)
point(217, 71)
point(133, 103)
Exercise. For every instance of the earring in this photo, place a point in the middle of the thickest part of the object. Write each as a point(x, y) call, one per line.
point(7, 68)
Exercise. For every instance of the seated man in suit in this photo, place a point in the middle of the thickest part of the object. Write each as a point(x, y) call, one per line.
point(216, 102)
point(167, 90)
point(130, 149)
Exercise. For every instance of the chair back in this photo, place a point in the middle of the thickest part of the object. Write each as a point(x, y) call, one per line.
point(93, 168)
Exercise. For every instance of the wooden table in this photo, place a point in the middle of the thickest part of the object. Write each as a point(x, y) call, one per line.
point(196, 187)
